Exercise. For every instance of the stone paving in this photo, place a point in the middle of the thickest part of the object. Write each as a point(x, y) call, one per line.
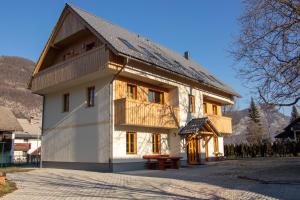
point(244, 179)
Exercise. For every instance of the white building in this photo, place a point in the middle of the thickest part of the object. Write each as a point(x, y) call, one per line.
point(112, 96)
point(26, 141)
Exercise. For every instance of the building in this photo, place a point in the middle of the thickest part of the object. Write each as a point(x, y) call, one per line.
point(112, 96)
point(8, 125)
point(27, 141)
point(291, 131)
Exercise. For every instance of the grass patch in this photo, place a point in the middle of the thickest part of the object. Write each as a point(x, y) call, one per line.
point(8, 187)
point(14, 169)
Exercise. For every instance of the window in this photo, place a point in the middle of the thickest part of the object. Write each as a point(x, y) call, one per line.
point(148, 53)
point(90, 46)
point(216, 144)
point(128, 44)
point(205, 108)
point(91, 96)
point(155, 96)
point(66, 98)
point(156, 138)
point(191, 103)
point(215, 109)
point(131, 91)
point(131, 142)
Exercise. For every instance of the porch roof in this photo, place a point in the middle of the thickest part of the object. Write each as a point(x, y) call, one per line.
point(197, 125)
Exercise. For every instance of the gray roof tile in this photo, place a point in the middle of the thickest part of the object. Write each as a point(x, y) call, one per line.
point(136, 46)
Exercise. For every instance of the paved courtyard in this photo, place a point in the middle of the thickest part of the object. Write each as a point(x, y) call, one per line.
point(245, 179)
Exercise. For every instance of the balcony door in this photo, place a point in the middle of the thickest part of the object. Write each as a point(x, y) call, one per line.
point(193, 150)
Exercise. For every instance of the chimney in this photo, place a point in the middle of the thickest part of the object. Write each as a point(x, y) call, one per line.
point(186, 55)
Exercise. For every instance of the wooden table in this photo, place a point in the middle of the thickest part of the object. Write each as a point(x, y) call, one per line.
point(162, 161)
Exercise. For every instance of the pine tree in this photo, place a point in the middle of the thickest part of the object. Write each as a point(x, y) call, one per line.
point(254, 112)
point(294, 114)
point(255, 129)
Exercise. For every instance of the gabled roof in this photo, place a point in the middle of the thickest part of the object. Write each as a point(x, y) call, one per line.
point(197, 124)
point(288, 132)
point(123, 42)
point(136, 46)
point(8, 121)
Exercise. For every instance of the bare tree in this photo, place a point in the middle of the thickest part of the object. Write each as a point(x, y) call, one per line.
point(269, 47)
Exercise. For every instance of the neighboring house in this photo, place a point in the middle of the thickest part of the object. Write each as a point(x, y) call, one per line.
point(292, 131)
point(8, 125)
point(28, 140)
point(112, 96)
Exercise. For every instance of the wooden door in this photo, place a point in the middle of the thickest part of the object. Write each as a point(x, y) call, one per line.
point(193, 151)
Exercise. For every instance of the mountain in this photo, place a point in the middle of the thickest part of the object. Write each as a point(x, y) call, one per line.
point(15, 73)
point(272, 119)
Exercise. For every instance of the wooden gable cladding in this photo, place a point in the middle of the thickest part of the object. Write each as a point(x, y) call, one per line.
point(142, 90)
point(69, 26)
point(77, 67)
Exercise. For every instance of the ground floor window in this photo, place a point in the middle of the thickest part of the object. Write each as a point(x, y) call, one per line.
point(131, 142)
point(156, 144)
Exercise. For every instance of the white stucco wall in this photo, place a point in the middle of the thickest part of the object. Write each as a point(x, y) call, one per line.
point(82, 134)
point(144, 146)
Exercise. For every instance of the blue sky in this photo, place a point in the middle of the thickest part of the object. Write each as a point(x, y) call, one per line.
point(205, 28)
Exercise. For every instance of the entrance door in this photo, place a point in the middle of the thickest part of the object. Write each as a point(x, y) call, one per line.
point(193, 150)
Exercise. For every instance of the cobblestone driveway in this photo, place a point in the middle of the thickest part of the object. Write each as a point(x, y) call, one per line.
point(223, 180)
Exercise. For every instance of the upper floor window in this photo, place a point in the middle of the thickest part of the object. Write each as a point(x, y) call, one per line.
point(155, 96)
point(66, 99)
point(131, 91)
point(156, 144)
point(215, 109)
point(90, 46)
point(191, 103)
point(131, 142)
point(91, 96)
point(205, 108)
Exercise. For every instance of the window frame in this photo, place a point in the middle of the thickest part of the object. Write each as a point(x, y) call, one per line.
point(215, 109)
point(156, 143)
point(90, 100)
point(66, 102)
point(204, 107)
point(191, 103)
point(129, 150)
point(154, 92)
point(134, 91)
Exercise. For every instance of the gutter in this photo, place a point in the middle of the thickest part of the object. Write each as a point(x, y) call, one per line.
point(111, 111)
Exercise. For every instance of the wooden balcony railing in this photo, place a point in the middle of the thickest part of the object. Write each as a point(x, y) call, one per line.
point(136, 113)
point(76, 67)
point(223, 124)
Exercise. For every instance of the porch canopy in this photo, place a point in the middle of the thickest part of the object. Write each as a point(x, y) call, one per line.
point(200, 126)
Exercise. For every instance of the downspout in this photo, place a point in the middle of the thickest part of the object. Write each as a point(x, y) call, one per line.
point(42, 131)
point(111, 111)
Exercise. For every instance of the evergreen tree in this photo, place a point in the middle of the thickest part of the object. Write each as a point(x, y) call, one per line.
point(254, 112)
point(294, 114)
point(255, 131)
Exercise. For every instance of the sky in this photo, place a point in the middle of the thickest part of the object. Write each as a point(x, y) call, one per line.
point(206, 28)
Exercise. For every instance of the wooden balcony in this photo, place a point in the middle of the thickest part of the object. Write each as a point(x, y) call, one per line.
point(76, 67)
point(137, 113)
point(223, 124)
